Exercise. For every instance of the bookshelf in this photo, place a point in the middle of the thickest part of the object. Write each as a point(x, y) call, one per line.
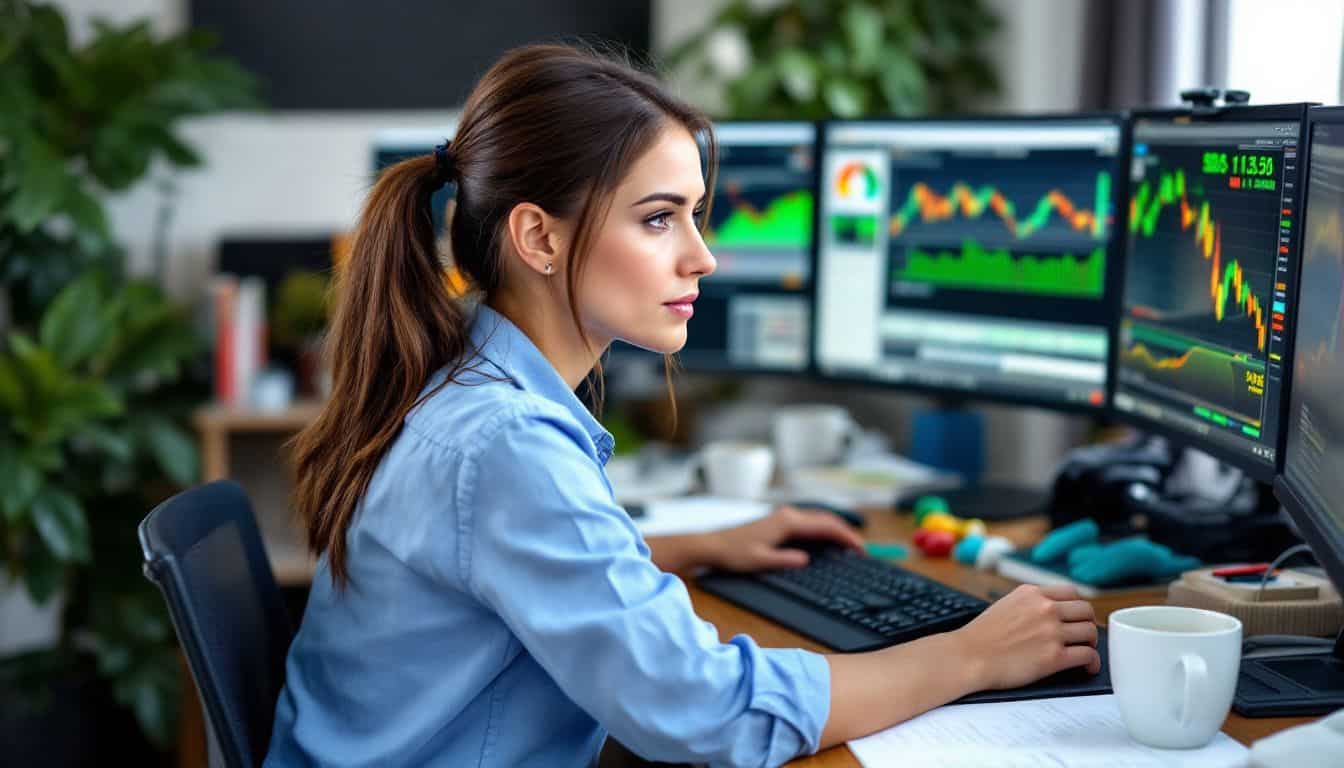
point(247, 445)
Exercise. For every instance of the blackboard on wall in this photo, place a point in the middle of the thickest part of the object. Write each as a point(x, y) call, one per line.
point(399, 54)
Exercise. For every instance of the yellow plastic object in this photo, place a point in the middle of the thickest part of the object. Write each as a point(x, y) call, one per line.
point(941, 522)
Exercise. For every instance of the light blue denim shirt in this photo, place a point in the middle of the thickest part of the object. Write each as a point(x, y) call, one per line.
point(504, 611)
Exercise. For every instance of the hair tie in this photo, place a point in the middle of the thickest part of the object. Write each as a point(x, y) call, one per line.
point(445, 168)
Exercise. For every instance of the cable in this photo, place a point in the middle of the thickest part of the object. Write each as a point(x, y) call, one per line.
point(1287, 553)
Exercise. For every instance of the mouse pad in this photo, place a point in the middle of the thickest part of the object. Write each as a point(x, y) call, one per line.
point(1070, 682)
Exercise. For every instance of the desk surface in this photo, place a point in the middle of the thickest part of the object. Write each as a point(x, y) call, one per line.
point(886, 526)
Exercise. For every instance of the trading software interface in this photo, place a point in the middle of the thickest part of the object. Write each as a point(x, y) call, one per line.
point(1209, 272)
point(1316, 444)
point(970, 256)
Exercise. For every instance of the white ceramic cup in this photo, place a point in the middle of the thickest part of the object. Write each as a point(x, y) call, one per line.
point(738, 470)
point(811, 435)
point(1174, 671)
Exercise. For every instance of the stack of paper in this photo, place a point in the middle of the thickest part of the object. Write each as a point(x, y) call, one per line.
point(1084, 731)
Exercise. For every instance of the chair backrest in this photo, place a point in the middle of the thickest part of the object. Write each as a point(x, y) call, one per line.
point(202, 548)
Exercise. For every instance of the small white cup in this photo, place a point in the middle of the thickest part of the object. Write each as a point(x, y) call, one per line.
point(738, 470)
point(1174, 671)
point(812, 435)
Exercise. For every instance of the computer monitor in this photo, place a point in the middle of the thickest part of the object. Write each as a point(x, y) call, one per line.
point(970, 258)
point(1211, 261)
point(753, 312)
point(1311, 487)
point(1312, 483)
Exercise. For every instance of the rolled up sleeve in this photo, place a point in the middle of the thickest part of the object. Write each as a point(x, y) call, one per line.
point(563, 566)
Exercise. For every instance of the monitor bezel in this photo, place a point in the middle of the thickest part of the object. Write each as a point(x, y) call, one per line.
point(1253, 468)
point(1113, 269)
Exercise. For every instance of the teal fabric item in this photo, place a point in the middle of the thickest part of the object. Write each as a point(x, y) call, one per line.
point(1063, 540)
point(1126, 560)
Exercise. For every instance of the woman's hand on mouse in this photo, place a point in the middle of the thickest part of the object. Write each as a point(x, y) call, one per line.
point(756, 546)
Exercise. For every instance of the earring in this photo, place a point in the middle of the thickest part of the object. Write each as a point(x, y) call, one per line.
point(549, 266)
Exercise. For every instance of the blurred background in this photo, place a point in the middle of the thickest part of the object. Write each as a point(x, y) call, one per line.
point(176, 178)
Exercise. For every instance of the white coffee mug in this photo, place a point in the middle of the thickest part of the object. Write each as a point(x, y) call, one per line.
point(738, 470)
point(1174, 671)
point(812, 435)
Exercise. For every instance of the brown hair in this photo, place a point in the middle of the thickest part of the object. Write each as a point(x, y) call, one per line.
point(552, 125)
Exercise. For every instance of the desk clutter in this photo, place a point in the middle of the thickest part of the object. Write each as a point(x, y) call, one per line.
point(1294, 603)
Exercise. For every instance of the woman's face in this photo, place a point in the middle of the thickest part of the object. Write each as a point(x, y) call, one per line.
point(644, 271)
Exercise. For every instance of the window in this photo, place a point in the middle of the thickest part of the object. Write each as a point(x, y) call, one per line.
point(1287, 50)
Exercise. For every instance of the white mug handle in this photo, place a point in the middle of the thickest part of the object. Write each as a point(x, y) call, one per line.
point(1195, 674)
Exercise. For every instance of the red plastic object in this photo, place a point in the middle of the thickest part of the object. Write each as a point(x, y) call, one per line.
point(935, 543)
point(1240, 570)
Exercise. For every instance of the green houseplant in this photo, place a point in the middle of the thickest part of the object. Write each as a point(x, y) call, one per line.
point(843, 58)
point(93, 397)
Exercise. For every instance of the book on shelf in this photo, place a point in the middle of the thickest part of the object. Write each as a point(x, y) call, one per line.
point(238, 327)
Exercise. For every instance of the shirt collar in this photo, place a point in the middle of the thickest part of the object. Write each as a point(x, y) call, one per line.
point(502, 343)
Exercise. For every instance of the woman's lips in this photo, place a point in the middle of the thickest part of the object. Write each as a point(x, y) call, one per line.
point(682, 308)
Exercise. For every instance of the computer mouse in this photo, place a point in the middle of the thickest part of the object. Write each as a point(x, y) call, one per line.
point(854, 519)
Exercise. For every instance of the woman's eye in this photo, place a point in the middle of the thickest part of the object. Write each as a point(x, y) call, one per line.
point(699, 216)
point(660, 220)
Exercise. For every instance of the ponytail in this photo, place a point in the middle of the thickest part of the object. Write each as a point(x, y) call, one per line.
point(394, 325)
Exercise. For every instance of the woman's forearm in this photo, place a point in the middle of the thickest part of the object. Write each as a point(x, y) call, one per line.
point(681, 554)
point(875, 690)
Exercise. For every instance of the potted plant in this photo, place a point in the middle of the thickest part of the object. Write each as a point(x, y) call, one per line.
point(298, 320)
point(811, 59)
point(93, 364)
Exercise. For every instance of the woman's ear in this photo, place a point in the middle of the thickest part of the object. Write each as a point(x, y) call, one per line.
point(538, 238)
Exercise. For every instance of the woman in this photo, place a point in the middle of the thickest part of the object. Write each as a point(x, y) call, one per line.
point(480, 598)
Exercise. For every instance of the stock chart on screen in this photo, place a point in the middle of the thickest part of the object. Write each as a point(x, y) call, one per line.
point(1315, 448)
point(1209, 271)
point(989, 246)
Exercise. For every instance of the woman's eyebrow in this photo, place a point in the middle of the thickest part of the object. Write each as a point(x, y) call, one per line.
point(670, 197)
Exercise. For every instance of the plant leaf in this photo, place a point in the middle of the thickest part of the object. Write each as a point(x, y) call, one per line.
point(19, 483)
point(43, 574)
point(797, 73)
point(71, 327)
point(845, 98)
point(863, 26)
point(42, 184)
point(113, 444)
point(172, 449)
point(11, 388)
point(60, 521)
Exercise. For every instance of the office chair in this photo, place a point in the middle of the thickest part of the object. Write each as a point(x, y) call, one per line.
point(203, 550)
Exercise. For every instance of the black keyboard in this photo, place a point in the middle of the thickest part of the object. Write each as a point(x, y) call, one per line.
point(847, 601)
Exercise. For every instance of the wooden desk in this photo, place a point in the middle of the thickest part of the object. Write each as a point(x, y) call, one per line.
point(886, 526)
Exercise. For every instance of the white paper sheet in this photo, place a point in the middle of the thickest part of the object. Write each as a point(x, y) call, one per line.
point(697, 514)
point(1063, 732)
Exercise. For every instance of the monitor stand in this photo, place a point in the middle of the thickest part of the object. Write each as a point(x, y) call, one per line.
point(951, 437)
point(991, 502)
point(1296, 685)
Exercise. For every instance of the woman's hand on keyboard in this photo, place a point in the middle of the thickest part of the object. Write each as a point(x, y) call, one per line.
point(1030, 633)
point(756, 545)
